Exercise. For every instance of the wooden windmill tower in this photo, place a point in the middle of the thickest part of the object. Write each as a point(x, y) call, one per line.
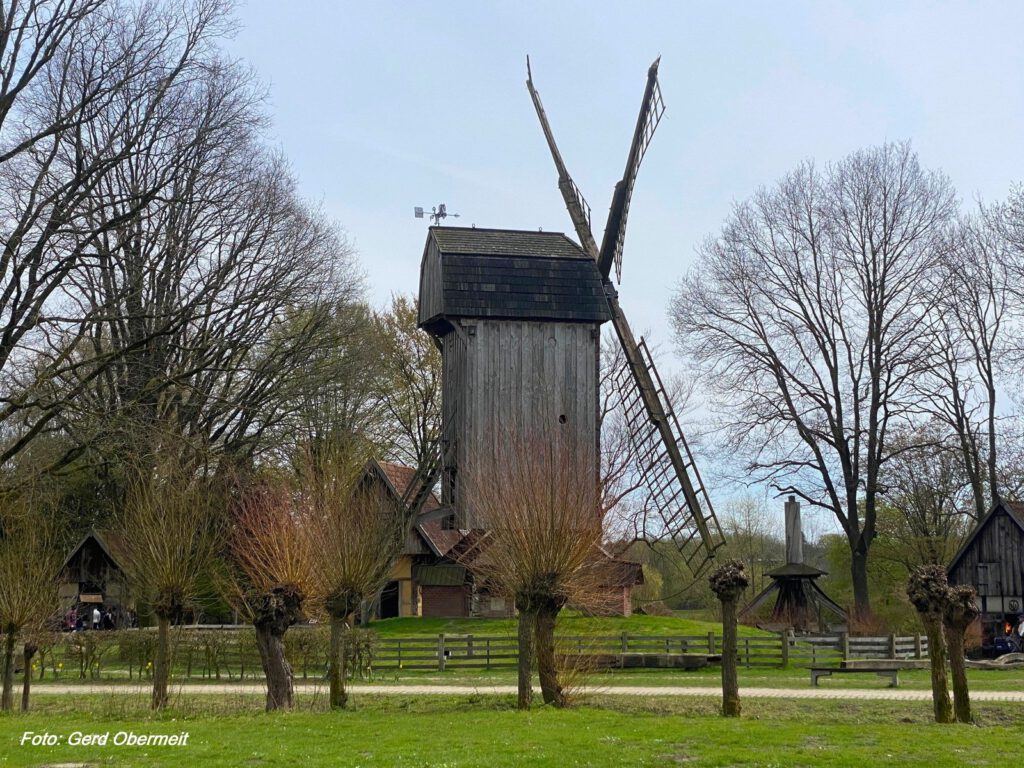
point(517, 317)
point(676, 506)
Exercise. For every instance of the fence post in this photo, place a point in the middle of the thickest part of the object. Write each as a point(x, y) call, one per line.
point(917, 647)
point(844, 645)
point(625, 642)
point(399, 653)
point(469, 645)
point(488, 653)
point(784, 637)
point(746, 646)
point(711, 643)
point(892, 645)
point(440, 652)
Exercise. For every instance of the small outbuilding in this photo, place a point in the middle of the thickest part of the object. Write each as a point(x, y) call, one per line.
point(93, 576)
point(992, 561)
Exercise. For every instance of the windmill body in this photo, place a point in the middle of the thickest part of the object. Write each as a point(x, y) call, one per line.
point(517, 316)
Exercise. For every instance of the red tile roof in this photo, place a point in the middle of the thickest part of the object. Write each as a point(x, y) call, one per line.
point(400, 476)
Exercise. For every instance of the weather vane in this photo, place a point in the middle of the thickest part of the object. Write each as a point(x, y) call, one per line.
point(436, 215)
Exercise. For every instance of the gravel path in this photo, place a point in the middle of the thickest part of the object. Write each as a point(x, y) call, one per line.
point(873, 694)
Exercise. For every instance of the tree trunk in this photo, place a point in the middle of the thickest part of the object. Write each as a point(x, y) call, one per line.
point(338, 665)
point(730, 675)
point(940, 683)
point(276, 669)
point(547, 665)
point(7, 701)
point(162, 664)
point(526, 622)
point(859, 572)
point(26, 684)
point(961, 694)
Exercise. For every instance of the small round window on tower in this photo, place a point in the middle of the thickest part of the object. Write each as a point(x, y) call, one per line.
point(562, 419)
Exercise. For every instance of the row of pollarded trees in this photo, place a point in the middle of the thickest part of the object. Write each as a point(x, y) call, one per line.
point(853, 325)
point(282, 547)
point(314, 541)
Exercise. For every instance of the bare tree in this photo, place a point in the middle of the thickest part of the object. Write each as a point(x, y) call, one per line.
point(808, 313)
point(30, 561)
point(928, 590)
point(355, 534)
point(928, 490)
point(170, 532)
point(411, 393)
point(752, 539)
point(960, 612)
point(86, 89)
point(540, 503)
point(975, 327)
point(270, 545)
point(214, 295)
point(728, 582)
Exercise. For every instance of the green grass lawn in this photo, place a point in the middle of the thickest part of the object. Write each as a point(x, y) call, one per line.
point(486, 731)
point(569, 624)
point(794, 677)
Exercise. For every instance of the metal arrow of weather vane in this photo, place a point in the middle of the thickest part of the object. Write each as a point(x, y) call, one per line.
point(437, 213)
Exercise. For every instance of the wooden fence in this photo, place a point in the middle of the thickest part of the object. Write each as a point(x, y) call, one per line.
point(446, 652)
point(230, 652)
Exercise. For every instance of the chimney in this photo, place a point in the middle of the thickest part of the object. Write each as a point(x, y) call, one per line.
point(794, 533)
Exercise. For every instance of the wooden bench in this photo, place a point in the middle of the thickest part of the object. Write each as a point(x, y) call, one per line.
point(892, 674)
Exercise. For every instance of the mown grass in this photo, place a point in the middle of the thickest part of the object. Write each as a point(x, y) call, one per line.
point(486, 731)
point(793, 677)
point(568, 624)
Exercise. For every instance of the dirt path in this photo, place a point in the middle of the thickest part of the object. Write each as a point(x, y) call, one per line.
point(874, 694)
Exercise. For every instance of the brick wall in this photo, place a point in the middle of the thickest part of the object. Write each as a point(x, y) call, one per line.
point(445, 602)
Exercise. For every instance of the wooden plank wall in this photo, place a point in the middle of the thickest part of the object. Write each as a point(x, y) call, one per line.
point(431, 292)
point(1000, 543)
point(514, 378)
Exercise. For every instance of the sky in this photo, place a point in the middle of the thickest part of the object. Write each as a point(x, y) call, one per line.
point(383, 106)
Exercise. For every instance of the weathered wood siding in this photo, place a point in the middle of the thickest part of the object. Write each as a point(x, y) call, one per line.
point(431, 299)
point(507, 379)
point(998, 548)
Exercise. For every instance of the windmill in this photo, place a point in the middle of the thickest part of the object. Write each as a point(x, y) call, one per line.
point(677, 505)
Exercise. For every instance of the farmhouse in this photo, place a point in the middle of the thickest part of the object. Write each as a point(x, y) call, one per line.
point(431, 577)
point(992, 561)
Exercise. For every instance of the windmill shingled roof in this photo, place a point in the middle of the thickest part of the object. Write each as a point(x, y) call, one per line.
point(512, 274)
point(506, 242)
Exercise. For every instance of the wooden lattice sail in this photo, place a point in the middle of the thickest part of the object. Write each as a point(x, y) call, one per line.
point(676, 506)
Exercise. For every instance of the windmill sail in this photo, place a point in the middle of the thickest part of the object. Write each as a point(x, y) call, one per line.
point(677, 506)
point(651, 109)
point(579, 210)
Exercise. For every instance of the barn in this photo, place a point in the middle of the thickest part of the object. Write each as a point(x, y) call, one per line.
point(992, 561)
point(93, 576)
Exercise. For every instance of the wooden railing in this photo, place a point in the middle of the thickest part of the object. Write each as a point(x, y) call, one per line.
point(229, 652)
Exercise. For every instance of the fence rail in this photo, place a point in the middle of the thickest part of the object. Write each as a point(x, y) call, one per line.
point(781, 650)
point(230, 652)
